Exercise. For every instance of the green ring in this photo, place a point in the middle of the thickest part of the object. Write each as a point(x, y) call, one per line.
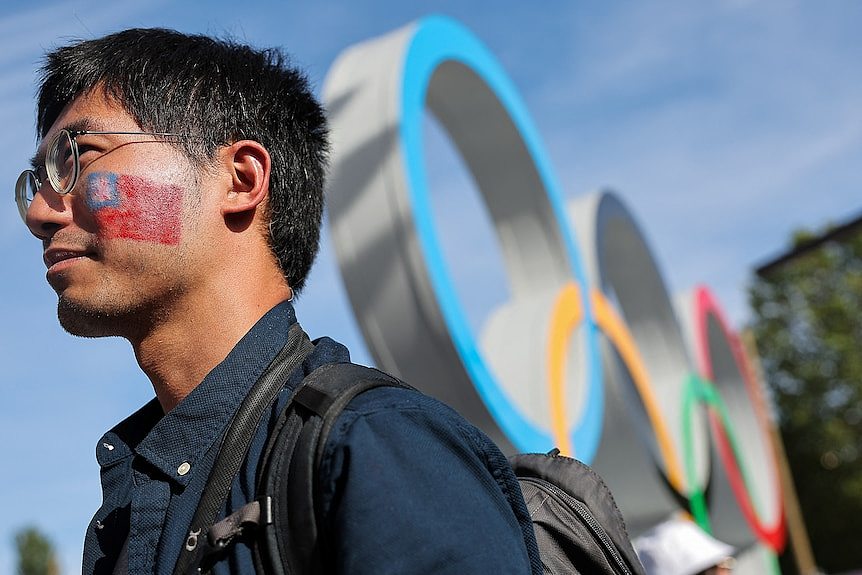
point(701, 390)
point(693, 393)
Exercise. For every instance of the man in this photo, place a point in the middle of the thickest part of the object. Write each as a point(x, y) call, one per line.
point(177, 190)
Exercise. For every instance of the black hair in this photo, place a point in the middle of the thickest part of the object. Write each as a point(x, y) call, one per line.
point(218, 91)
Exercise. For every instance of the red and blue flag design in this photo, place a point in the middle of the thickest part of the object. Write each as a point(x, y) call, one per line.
point(134, 208)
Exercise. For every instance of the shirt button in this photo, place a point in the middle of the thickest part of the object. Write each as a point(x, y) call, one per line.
point(184, 468)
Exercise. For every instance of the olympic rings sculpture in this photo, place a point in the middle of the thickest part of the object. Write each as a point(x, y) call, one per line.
point(590, 354)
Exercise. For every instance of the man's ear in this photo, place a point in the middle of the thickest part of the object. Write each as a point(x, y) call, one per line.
point(249, 165)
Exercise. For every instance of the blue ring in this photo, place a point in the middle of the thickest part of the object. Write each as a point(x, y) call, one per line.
point(436, 40)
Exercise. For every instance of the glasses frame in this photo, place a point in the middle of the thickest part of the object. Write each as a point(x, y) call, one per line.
point(37, 176)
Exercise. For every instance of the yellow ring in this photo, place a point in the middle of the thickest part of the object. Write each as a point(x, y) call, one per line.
point(618, 333)
point(567, 314)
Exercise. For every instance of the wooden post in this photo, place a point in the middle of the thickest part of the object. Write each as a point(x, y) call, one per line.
point(800, 544)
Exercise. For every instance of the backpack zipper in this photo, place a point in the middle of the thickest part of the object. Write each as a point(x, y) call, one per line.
point(586, 516)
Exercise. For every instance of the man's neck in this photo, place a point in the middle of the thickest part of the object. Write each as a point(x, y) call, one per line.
point(179, 352)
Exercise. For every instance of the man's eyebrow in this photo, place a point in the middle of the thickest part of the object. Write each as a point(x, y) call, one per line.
point(83, 125)
point(79, 125)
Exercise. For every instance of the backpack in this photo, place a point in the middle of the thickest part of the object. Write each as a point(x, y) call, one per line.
point(577, 524)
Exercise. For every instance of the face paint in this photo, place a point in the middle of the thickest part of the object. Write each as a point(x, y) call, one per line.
point(135, 208)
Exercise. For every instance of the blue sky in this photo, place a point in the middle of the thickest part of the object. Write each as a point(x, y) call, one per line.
point(724, 126)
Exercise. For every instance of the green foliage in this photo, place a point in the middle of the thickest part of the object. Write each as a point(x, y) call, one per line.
point(35, 553)
point(808, 327)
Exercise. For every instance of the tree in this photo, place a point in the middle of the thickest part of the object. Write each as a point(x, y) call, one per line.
point(35, 553)
point(808, 326)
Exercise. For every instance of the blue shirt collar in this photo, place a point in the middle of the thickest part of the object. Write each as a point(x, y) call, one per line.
point(175, 443)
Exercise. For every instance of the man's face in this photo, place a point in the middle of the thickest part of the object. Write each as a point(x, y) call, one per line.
point(126, 243)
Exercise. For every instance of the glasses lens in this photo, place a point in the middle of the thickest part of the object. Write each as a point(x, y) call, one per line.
point(61, 163)
point(25, 191)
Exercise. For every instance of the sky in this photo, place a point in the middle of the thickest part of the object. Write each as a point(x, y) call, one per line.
point(724, 126)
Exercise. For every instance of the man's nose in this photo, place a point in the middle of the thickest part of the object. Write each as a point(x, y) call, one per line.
point(48, 212)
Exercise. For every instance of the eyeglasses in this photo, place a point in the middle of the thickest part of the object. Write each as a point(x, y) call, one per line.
point(62, 165)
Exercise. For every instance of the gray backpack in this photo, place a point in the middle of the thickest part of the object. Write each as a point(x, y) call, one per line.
point(578, 527)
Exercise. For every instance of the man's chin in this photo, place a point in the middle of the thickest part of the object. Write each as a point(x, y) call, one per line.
point(86, 321)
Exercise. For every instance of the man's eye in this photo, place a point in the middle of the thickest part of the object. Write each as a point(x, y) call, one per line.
point(87, 154)
point(66, 159)
point(84, 148)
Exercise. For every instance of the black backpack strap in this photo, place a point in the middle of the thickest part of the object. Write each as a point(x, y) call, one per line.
point(292, 543)
point(200, 549)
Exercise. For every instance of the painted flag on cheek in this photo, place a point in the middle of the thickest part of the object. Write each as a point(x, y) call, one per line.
point(135, 208)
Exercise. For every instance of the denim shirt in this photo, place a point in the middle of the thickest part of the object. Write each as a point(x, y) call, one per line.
point(408, 485)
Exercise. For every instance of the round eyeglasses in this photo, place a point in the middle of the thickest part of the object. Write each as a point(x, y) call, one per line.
point(62, 166)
